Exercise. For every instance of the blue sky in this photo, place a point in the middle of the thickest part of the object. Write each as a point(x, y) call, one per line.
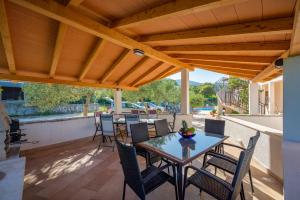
point(201, 76)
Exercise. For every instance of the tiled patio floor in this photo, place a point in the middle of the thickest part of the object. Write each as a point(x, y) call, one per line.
point(79, 171)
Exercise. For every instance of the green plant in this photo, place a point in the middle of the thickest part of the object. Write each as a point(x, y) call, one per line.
point(185, 128)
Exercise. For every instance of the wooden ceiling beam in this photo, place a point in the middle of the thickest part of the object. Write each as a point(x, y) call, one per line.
point(247, 46)
point(258, 28)
point(236, 74)
point(270, 70)
point(68, 16)
point(258, 60)
point(159, 76)
point(175, 8)
point(245, 67)
point(61, 33)
point(45, 79)
point(111, 69)
point(241, 71)
point(92, 57)
point(145, 74)
point(6, 38)
point(131, 70)
point(295, 40)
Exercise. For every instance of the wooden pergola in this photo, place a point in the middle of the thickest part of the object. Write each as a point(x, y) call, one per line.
point(90, 43)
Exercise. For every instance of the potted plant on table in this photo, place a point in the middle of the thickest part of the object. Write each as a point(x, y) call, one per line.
point(185, 131)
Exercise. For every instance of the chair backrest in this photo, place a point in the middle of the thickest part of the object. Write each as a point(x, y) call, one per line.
point(131, 119)
point(161, 127)
point(243, 165)
point(136, 112)
point(97, 117)
point(107, 124)
point(214, 126)
point(131, 168)
point(139, 132)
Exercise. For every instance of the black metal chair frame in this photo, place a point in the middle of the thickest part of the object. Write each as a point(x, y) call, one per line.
point(97, 125)
point(146, 181)
point(103, 140)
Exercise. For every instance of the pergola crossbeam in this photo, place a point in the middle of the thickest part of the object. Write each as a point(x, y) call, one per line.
point(247, 46)
point(114, 66)
point(92, 57)
point(6, 38)
point(149, 71)
point(258, 28)
point(175, 8)
point(295, 40)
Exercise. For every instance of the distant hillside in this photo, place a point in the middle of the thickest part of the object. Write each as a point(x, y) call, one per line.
point(192, 83)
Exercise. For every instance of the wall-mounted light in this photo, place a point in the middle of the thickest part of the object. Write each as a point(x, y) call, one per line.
point(279, 63)
point(138, 52)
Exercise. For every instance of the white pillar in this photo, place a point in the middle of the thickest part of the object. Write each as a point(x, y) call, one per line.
point(118, 101)
point(271, 89)
point(253, 98)
point(185, 99)
point(291, 133)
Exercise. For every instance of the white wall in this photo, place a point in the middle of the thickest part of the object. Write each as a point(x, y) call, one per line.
point(57, 131)
point(272, 121)
point(268, 151)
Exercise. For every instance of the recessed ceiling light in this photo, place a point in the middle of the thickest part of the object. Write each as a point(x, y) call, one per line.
point(138, 52)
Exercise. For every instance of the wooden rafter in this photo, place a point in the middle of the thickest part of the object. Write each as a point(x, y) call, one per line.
point(273, 26)
point(62, 30)
point(111, 69)
point(131, 70)
point(70, 17)
point(41, 79)
point(236, 74)
point(295, 40)
point(159, 76)
point(91, 58)
point(145, 74)
point(251, 46)
point(258, 60)
point(175, 8)
point(221, 65)
point(6, 39)
point(270, 70)
point(251, 73)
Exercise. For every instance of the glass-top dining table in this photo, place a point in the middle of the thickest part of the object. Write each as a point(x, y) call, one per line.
point(121, 121)
point(182, 151)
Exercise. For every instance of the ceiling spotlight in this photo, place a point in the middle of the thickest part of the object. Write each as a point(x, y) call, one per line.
point(138, 52)
point(279, 63)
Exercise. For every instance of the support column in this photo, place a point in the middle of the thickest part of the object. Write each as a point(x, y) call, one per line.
point(118, 101)
point(185, 98)
point(254, 98)
point(291, 133)
point(271, 89)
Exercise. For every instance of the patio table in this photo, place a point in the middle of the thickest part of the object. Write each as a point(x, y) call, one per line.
point(182, 151)
point(121, 121)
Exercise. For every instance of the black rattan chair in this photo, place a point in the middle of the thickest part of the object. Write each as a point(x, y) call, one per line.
point(216, 159)
point(161, 127)
point(215, 127)
point(131, 119)
point(139, 133)
point(217, 187)
point(141, 182)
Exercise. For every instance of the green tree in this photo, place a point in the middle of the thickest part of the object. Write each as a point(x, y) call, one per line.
point(196, 99)
point(241, 86)
point(48, 96)
point(207, 90)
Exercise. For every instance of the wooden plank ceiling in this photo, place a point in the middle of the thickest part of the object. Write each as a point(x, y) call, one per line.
point(90, 43)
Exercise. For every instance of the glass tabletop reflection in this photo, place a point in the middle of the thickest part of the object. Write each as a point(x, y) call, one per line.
point(182, 150)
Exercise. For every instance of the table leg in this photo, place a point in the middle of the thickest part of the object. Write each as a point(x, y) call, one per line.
point(179, 181)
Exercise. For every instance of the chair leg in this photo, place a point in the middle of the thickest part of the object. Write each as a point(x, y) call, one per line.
point(215, 170)
point(242, 193)
point(124, 191)
point(95, 134)
point(251, 182)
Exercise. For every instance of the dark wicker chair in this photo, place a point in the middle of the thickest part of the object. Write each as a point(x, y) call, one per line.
point(108, 130)
point(161, 127)
point(131, 119)
point(217, 187)
point(215, 127)
point(228, 163)
point(97, 123)
point(145, 181)
point(139, 133)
